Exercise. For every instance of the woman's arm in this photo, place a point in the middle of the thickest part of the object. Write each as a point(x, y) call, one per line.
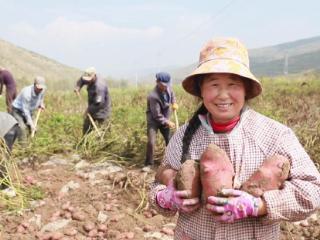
point(300, 195)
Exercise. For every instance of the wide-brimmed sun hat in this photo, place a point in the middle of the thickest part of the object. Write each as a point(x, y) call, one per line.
point(223, 55)
point(89, 74)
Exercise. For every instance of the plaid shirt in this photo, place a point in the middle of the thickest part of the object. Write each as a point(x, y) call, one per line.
point(255, 138)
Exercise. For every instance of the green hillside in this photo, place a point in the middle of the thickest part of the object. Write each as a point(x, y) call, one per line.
point(25, 65)
point(294, 48)
point(295, 64)
point(292, 57)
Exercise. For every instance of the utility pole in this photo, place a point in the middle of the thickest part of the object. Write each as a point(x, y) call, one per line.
point(285, 67)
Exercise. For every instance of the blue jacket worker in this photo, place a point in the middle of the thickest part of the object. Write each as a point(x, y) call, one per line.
point(99, 102)
point(158, 113)
point(29, 99)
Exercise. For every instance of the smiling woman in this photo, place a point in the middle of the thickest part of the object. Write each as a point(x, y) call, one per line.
point(232, 143)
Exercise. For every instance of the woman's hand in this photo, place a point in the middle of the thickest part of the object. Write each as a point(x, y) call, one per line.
point(170, 198)
point(235, 205)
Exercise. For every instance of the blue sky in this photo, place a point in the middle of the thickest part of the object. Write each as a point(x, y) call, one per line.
point(121, 38)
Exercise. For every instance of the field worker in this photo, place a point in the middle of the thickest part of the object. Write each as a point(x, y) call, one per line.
point(99, 102)
point(28, 100)
point(224, 84)
point(9, 129)
point(7, 79)
point(158, 113)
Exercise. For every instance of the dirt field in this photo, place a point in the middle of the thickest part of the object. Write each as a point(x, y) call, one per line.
point(100, 201)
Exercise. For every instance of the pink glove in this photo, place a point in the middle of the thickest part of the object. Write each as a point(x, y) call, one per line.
point(170, 198)
point(237, 205)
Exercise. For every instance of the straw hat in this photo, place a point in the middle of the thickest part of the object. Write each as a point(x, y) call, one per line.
point(223, 55)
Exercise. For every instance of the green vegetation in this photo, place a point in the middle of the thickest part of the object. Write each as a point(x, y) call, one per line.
point(124, 136)
point(292, 101)
point(15, 195)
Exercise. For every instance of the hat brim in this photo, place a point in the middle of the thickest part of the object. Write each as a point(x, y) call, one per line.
point(164, 83)
point(40, 86)
point(222, 66)
point(87, 78)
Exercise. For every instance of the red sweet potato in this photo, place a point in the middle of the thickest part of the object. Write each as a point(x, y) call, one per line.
point(216, 171)
point(270, 176)
point(188, 178)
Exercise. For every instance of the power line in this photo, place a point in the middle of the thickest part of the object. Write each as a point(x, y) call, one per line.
point(211, 19)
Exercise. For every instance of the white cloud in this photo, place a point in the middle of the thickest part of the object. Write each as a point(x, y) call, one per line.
point(76, 31)
point(77, 42)
point(64, 31)
point(23, 29)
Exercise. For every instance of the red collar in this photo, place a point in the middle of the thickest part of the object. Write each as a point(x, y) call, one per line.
point(224, 127)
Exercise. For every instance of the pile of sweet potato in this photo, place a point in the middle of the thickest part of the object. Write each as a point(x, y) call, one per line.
point(215, 171)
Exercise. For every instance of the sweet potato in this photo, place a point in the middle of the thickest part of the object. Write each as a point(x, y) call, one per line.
point(270, 176)
point(188, 178)
point(216, 171)
point(165, 175)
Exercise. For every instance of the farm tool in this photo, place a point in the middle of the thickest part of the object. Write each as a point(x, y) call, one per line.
point(36, 122)
point(176, 119)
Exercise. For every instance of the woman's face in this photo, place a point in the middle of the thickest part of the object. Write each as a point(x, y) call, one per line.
point(223, 95)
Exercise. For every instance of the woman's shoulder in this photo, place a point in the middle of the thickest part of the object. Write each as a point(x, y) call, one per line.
point(255, 117)
point(262, 128)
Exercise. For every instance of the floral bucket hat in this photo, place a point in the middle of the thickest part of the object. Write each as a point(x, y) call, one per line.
point(223, 55)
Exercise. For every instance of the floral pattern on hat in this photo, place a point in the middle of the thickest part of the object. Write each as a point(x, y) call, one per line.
point(223, 55)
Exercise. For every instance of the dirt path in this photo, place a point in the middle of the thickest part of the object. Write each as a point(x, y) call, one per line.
point(100, 201)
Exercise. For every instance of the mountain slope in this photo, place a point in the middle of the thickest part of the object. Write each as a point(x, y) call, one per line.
point(25, 65)
point(292, 57)
point(295, 64)
point(294, 48)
